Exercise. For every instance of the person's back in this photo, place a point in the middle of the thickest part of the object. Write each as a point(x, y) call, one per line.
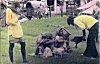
point(85, 21)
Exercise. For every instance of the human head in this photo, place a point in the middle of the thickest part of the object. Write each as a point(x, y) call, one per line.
point(47, 35)
point(3, 4)
point(70, 20)
point(59, 32)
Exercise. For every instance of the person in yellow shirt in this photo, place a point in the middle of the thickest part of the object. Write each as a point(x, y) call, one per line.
point(92, 25)
point(15, 33)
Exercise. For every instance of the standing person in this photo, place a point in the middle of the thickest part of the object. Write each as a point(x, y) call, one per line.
point(15, 33)
point(92, 25)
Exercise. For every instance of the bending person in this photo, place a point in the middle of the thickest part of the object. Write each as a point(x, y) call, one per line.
point(92, 25)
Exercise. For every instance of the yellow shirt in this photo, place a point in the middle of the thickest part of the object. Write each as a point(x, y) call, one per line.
point(14, 27)
point(85, 21)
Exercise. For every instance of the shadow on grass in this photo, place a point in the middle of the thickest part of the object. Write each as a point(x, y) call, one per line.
point(72, 58)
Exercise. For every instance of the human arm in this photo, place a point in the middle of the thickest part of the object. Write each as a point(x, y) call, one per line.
point(84, 35)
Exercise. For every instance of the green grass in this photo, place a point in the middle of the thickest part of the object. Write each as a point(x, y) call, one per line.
point(31, 30)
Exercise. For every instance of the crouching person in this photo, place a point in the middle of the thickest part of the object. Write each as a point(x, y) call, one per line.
point(45, 45)
point(15, 34)
point(62, 39)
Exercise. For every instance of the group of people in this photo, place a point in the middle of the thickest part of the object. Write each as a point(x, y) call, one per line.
point(52, 42)
point(36, 9)
point(47, 40)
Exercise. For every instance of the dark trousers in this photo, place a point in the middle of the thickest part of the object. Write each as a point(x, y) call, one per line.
point(91, 50)
point(23, 51)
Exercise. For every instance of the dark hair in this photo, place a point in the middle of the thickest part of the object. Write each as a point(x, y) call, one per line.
point(47, 35)
point(59, 32)
point(3, 5)
point(70, 20)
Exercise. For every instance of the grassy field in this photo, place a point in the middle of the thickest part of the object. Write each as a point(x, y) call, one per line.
point(31, 30)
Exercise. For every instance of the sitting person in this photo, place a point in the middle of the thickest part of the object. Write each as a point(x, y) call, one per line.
point(62, 39)
point(44, 41)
